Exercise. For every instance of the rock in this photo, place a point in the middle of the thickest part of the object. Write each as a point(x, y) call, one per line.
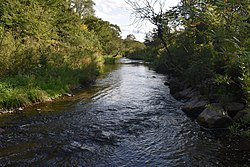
point(214, 116)
point(75, 144)
point(166, 83)
point(68, 94)
point(175, 85)
point(49, 99)
point(106, 135)
point(186, 94)
point(242, 114)
point(20, 109)
point(195, 106)
point(153, 76)
point(2, 130)
point(233, 108)
point(87, 148)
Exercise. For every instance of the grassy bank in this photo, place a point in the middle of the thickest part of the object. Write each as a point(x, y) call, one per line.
point(109, 59)
point(26, 89)
point(44, 49)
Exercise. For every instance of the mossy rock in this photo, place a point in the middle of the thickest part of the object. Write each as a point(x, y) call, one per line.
point(214, 116)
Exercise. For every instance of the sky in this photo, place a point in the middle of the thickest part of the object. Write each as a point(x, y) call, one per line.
point(119, 12)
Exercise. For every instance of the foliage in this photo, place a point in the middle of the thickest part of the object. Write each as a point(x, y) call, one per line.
point(241, 127)
point(26, 89)
point(109, 59)
point(132, 48)
point(45, 46)
point(146, 10)
point(108, 34)
point(208, 42)
point(83, 8)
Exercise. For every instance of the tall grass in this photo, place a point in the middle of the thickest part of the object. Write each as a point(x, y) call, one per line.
point(26, 89)
point(109, 59)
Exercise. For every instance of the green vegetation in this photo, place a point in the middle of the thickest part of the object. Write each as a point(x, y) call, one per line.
point(23, 89)
point(241, 127)
point(134, 49)
point(206, 43)
point(107, 33)
point(48, 45)
point(109, 59)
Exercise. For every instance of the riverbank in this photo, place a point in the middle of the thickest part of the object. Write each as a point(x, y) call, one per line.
point(210, 113)
point(24, 90)
point(204, 104)
point(109, 59)
point(47, 48)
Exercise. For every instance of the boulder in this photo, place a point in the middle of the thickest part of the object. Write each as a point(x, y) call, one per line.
point(233, 108)
point(195, 106)
point(186, 94)
point(214, 116)
point(175, 85)
point(243, 114)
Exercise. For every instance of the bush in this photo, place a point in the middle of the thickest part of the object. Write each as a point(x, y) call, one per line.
point(44, 48)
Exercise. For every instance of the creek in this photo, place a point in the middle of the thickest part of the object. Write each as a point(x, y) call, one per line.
point(127, 118)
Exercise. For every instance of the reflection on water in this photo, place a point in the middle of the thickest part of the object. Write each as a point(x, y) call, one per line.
point(128, 118)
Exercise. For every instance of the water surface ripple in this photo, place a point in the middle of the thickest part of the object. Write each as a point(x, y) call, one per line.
point(128, 118)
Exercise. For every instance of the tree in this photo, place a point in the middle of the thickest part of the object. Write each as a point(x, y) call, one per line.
point(131, 37)
point(82, 7)
point(108, 34)
point(145, 10)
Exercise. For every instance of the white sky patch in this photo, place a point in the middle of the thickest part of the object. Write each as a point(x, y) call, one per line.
point(119, 12)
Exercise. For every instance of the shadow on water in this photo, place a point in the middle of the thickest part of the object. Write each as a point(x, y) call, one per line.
point(127, 118)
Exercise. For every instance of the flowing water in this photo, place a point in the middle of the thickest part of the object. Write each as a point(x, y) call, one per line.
point(127, 118)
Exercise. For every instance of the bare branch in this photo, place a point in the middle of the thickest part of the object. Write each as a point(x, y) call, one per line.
point(145, 10)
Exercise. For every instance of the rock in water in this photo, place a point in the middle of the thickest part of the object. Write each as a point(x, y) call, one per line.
point(75, 144)
point(166, 83)
point(195, 106)
point(2, 130)
point(214, 116)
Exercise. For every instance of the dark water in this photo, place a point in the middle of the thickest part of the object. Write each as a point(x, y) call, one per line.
point(128, 118)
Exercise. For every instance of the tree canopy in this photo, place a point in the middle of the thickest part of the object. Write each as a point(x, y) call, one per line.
point(107, 33)
point(47, 45)
point(206, 42)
